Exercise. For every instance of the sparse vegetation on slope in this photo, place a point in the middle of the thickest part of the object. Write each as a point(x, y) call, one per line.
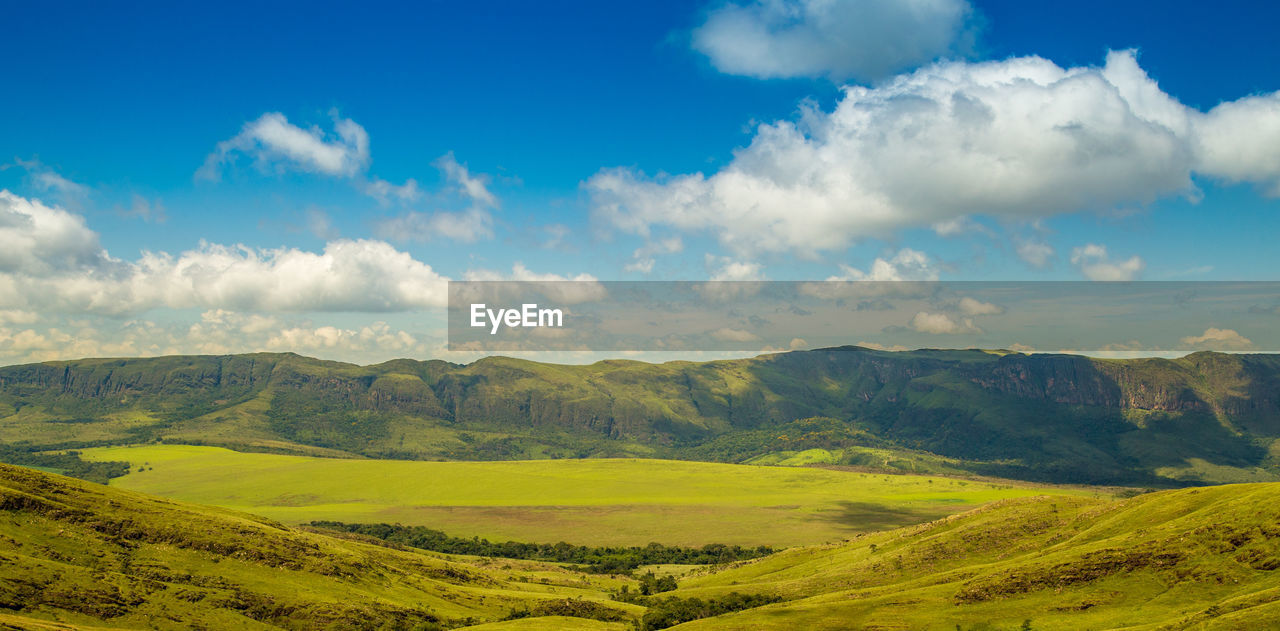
point(84, 554)
point(1195, 558)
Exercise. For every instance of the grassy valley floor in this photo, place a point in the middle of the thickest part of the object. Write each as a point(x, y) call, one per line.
point(585, 502)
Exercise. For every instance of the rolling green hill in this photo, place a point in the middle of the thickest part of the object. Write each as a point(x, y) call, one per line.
point(1205, 558)
point(85, 554)
point(79, 555)
point(1207, 417)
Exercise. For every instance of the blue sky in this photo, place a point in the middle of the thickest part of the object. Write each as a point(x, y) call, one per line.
point(179, 180)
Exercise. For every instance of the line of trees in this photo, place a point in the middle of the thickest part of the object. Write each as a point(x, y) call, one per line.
point(596, 559)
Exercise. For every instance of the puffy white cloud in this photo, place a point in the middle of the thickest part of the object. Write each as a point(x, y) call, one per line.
point(51, 261)
point(272, 141)
point(1218, 339)
point(840, 39)
point(1018, 139)
point(942, 324)
point(907, 264)
point(39, 239)
point(1239, 141)
point(1096, 264)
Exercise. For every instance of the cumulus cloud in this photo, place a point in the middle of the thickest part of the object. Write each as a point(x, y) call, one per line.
point(37, 239)
point(273, 142)
point(50, 260)
point(1018, 139)
point(942, 324)
point(1219, 340)
point(1096, 264)
point(863, 40)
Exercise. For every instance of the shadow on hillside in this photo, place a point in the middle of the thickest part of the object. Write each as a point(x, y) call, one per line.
point(868, 516)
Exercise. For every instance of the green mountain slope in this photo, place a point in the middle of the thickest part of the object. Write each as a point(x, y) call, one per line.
point(1206, 417)
point(79, 555)
point(1195, 558)
point(85, 554)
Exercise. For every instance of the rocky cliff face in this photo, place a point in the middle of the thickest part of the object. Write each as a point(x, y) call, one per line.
point(964, 403)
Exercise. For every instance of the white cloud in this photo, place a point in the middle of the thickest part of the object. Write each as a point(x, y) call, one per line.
point(907, 264)
point(642, 260)
point(1096, 264)
point(973, 307)
point(1035, 253)
point(12, 316)
point(562, 289)
point(273, 142)
point(1239, 141)
point(470, 225)
point(467, 226)
point(942, 324)
point(960, 226)
point(385, 191)
point(217, 332)
point(1017, 139)
point(841, 39)
point(473, 187)
point(521, 273)
point(1218, 339)
point(51, 261)
point(38, 239)
point(46, 180)
point(726, 269)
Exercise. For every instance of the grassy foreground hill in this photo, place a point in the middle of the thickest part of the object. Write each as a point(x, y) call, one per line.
point(1206, 417)
point(85, 554)
point(79, 555)
point(1189, 559)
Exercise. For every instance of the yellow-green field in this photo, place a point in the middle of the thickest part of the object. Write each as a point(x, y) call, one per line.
point(586, 502)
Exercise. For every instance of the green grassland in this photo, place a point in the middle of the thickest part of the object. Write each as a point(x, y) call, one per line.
point(1199, 558)
point(585, 502)
point(76, 555)
point(84, 554)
